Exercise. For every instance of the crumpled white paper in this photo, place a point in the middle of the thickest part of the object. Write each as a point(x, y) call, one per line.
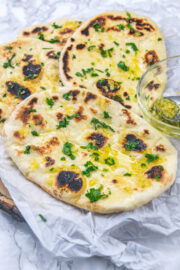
point(145, 238)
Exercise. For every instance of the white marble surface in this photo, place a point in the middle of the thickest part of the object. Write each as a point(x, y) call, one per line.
point(20, 249)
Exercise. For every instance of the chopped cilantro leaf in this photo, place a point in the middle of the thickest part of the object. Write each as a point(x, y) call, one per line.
point(50, 102)
point(66, 96)
point(99, 124)
point(56, 26)
point(143, 165)
point(118, 98)
point(150, 157)
point(127, 174)
point(97, 27)
point(2, 120)
point(51, 169)
point(95, 194)
point(106, 115)
point(31, 110)
point(73, 56)
point(67, 150)
point(63, 123)
point(95, 155)
point(133, 46)
point(43, 88)
point(157, 177)
point(91, 47)
point(40, 36)
point(90, 146)
point(42, 217)
point(34, 133)
point(159, 38)
point(128, 15)
point(116, 43)
point(130, 145)
point(9, 62)
point(121, 26)
point(54, 40)
point(63, 158)
point(90, 167)
point(27, 150)
point(109, 161)
point(123, 66)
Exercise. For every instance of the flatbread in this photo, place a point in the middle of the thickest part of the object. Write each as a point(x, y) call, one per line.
point(33, 68)
point(57, 31)
point(109, 53)
point(89, 151)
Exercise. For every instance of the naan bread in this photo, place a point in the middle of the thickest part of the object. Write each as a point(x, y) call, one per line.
point(89, 151)
point(109, 53)
point(26, 66)
point(56, 32)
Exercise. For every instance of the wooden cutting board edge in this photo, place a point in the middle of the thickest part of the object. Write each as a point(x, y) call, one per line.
point(7, 204)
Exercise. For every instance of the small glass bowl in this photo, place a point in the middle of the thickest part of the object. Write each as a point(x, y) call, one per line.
point(160, 80)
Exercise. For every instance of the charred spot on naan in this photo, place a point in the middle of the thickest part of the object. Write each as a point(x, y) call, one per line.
point(70, 180)
point(24, 113)
point(99, 139)
point(55, 98)
point(27, 58)
point(80, 46)
point(59, 116)
point(89, 96)
point(18, 136)
point(1, 112)
point(129, 120)
point(151, 57)
point(18, 90)
point(151, 85)
point(156, 172)
point(133, 143)
point(65, 60)
point(39, 29)
point(99, 20)
point(48, 147)
point(114, 181)
point(80, 116)
point(108, 87)
point(93, 110)
point(31, 71)
point(51, 54)
point(145, 132)
point(38, 120)
point(26, 33)
point(160, 148)
point(66, 31)
point(49, 161)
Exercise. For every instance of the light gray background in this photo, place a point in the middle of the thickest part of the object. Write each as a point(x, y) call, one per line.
point(19, 248)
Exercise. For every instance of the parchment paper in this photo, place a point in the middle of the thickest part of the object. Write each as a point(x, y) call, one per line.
point(134, 239)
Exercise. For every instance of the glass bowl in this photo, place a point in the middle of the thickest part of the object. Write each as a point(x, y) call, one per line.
point(160, 80)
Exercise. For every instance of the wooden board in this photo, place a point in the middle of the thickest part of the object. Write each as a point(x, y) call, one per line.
point(7, 204)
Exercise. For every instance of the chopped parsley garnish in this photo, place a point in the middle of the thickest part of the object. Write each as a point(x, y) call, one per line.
point(56, 26)
point(66, 96)
point(50, 102)
point(54, 40)
point(89, 146)
point(159, 38)
point(106, 115)
point(95, 194)
point(121, 26)
point(30, 77)
point(106, 53)
point(67, 150)
point(90, 167)
point(99, 124)
point(97, 27)
point(31, 110)
point(34, 133)
point(57, 55)
point(150, 157)
point(127, 174)
point(118, 98)
point(42, 217)
point(95, 155)
point(63, 123)
point(91, 47)
point(130, 145)
point(9, 62)
point(27, 150)
point(128, 15)
point(143, 165)
point(123, 66)
point(133, 46)
point(2, 120)
point(63, 158)
point(116, 43)
point(40, 36)
point(109, 161)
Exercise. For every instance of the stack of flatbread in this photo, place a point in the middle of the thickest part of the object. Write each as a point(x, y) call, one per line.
point(69, 114)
